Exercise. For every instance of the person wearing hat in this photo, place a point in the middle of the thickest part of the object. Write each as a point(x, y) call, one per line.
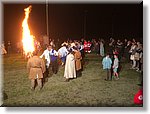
point(35, 68)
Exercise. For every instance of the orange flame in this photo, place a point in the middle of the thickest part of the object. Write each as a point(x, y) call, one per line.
point(27, 38)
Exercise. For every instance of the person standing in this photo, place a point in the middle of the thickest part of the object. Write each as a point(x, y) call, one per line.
point(82, 50)
point(9, 47)
point(115, 66)
point(97, 48)
point(119, 45)
point(138, 54)
point(102, 48)
point(107, 62)
point(2, 49)
point(70, 71)
point(132, 56)
point(78, 59)
point(35, 68)
point(85, 46)
point(126, 51)
point(53, 56)
point(62, 52)
point(47, 59)
point(89, 44)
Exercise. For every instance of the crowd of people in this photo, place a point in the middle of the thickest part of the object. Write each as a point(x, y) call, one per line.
point(130, 51)
point(71, 53)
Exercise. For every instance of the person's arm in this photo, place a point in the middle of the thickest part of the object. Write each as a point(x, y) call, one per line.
point(116, 63)
point(72, 58)
point(42, 55)
point(43, 66)
point(55, 53)
point(79, 57)
point(103, 61)
point(66, 51)
point(110, 60)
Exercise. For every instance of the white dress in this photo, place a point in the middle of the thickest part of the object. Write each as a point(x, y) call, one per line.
point(70, 71)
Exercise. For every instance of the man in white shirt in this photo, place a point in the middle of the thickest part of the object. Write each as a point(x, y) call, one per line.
point(46, 54)
point(47, 57)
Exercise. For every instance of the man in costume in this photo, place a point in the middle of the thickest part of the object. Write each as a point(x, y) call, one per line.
point(35, 68)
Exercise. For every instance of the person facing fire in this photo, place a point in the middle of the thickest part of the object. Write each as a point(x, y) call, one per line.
point(36, 68)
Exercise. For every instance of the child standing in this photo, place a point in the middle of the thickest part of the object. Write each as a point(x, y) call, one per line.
point(107, 66)
point(115, 66)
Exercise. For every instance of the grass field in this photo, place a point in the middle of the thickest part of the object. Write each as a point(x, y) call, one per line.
point(88, 90)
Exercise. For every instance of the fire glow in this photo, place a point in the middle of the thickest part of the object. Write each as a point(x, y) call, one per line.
point(27, 38)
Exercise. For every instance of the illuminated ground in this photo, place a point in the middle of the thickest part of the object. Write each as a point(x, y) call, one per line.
point(88, 90)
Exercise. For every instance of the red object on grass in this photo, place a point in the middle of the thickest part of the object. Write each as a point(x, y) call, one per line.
point(138, 98)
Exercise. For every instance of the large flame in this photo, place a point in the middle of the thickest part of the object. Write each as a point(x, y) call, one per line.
point(27, 38)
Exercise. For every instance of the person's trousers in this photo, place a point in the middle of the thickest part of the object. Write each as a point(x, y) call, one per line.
point(140, 64)
point(39, 82)
point(54, 66)
point(78, 73)
point(134, 64)
point(63, 59)
point(45, 75)
point(108, 74)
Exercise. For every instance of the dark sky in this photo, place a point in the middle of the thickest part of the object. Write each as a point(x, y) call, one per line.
point(67, 20)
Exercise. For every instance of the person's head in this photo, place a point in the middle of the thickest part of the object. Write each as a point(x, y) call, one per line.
point(49, 47)
point(64, 45)
point(115, 56)
point(133, 43)
point(107, 55)
point(138, 43)
point(129, 42)
point(75, 49)
point(70, 51)
point(125, 40)
point(133, 40)
point(118, 40)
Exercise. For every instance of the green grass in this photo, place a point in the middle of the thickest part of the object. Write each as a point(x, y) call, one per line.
point(88, 90)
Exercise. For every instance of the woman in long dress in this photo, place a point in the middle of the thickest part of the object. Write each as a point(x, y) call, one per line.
point(70, 71)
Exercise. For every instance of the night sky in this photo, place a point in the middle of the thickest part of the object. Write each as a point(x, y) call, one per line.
point(67, 21)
